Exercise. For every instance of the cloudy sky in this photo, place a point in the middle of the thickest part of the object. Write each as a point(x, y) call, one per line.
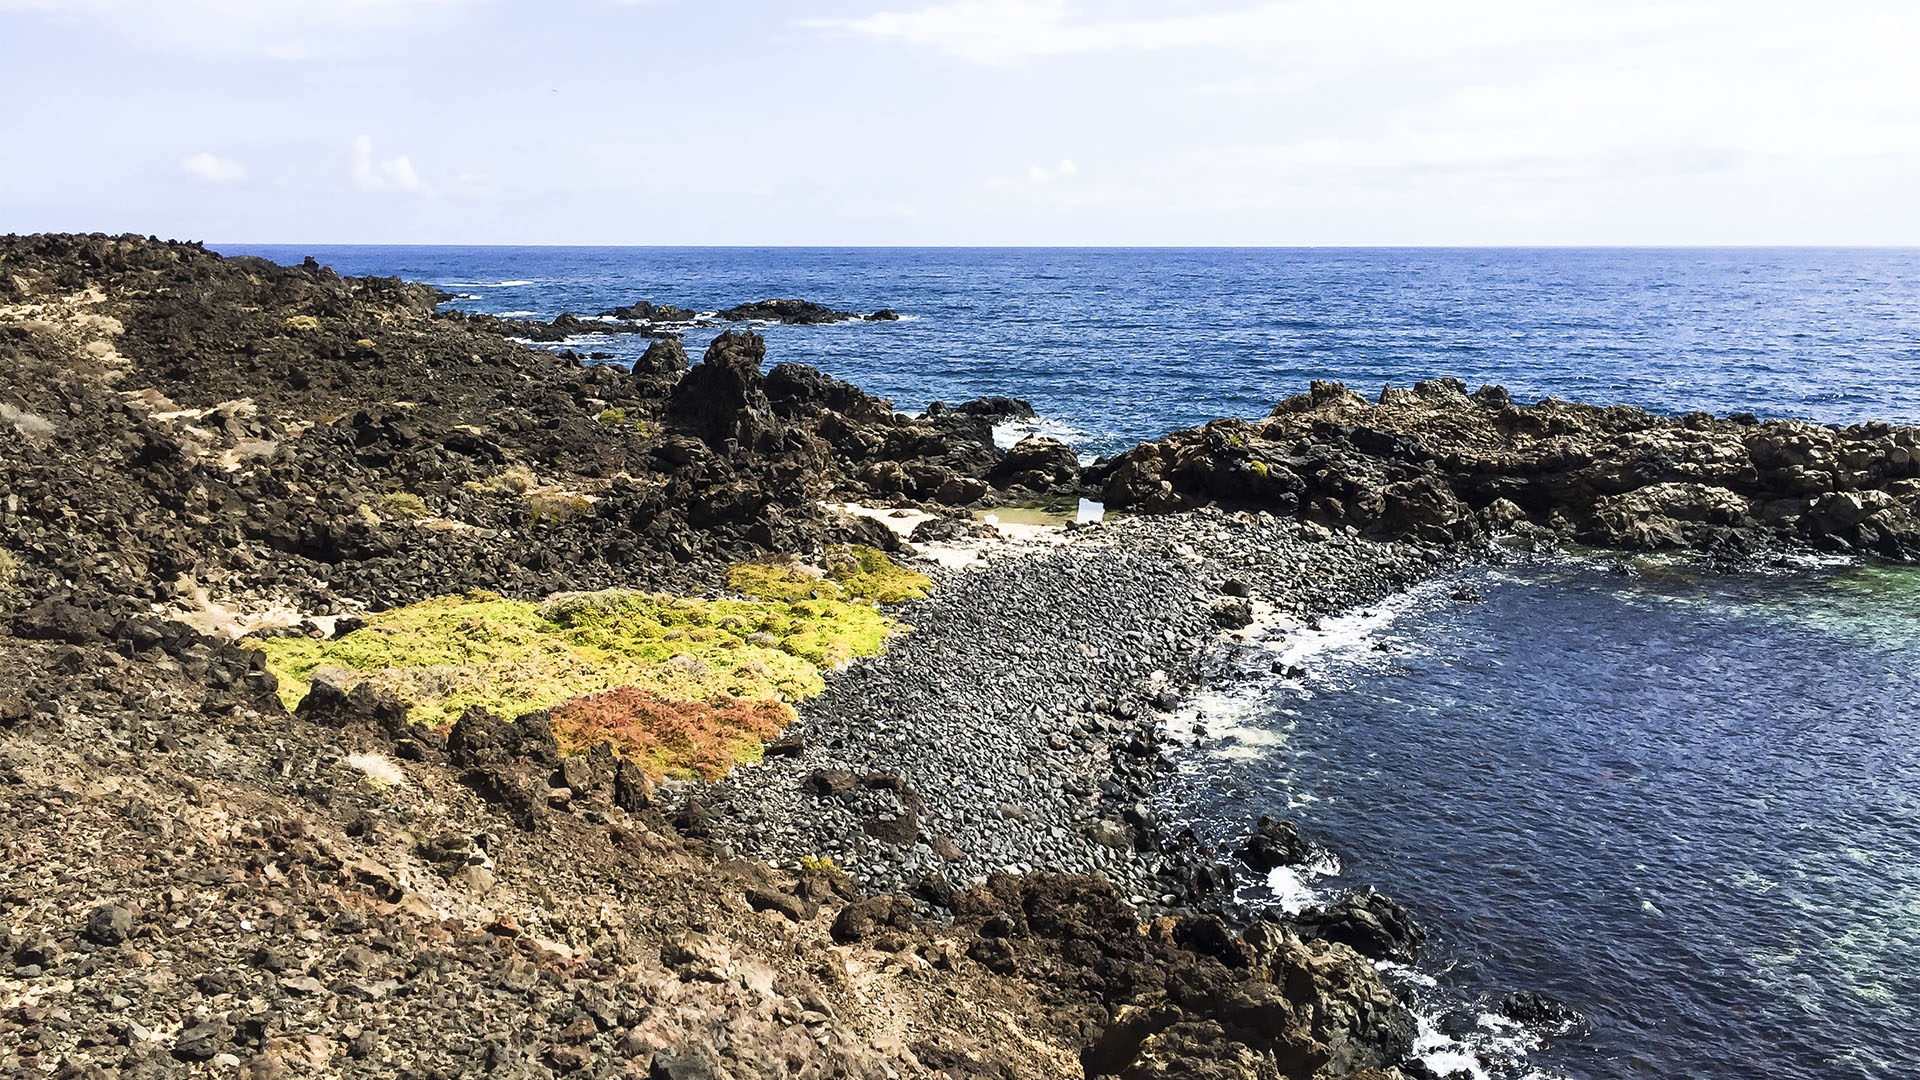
point(965, 121)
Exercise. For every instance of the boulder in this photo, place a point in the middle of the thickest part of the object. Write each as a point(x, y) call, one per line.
point(1367, 922)
point(1037, 464)
point(723, 400)
point(1275, 843)
point(665, 356)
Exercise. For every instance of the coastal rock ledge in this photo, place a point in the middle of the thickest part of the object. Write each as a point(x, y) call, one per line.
point(1438, 464)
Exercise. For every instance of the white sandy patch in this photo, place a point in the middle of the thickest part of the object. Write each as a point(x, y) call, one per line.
point(379, 771)
point(902, 520)
point(216, 618)
point(1002, 537)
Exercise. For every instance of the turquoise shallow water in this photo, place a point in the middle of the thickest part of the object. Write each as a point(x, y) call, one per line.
point(1687, 805)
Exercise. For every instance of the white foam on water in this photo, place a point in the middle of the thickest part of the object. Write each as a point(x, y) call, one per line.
point(1495, 1037)
point(518, 314)
point(482, 284)
point(1293, 887)
point(1007, 434)
point(1351, 636)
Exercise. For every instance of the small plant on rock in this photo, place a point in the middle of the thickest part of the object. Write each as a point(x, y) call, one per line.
point(819, 864)
point(405, 505)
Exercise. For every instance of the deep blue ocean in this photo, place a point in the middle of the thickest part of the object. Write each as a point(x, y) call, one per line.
point(1127, 344)
point(1687, 805)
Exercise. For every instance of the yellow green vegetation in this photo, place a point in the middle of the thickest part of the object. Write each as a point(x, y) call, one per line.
point(850, 571)
point(405, 505)
point(612, 417)
point(446, 655)
point(517, 480)
point(819, 864)
point(554, 503)
point(1260, 468)
point(681, 685)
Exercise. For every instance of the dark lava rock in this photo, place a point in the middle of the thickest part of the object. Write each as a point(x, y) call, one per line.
point(1037, 464)
point(1538, 1009)
point(862, 919)
point(666, 356)
point(1371, 924)
point(201, 1041)
point(723, 399)
point(109, 924)
point(1232, 613)
point(1436, 464)
point(797, 312)
point(830, 782)
point(1275, 843)
point(647, 311)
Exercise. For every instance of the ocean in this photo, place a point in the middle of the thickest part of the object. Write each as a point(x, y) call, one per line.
point(1687, 805)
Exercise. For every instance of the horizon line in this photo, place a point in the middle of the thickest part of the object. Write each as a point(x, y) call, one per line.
point(1743, 246)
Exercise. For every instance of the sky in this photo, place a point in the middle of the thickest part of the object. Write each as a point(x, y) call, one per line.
point(856, 122)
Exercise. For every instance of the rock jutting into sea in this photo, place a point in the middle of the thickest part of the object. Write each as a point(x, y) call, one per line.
point(1440, 464)
point(381, 695)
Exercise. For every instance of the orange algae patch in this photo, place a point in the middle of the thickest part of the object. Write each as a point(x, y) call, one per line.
point(663, 735)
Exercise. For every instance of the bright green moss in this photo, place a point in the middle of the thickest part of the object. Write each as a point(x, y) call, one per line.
point(613, 417)
point(446, 655)
point(772, 581)
point(851, 571)
point(873, 576)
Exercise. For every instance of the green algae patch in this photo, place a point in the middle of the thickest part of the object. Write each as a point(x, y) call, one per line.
point(447, 655)
point(850, 571)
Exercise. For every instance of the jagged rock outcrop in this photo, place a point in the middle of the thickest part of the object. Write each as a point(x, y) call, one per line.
point(232, 429)
point(1190, 997)
point(1436, 463)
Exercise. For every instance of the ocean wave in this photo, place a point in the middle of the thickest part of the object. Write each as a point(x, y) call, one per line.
point(1292, 888)
point(482, 284)
point(519, 314)
point(1492, 1046)
point(1007, 434)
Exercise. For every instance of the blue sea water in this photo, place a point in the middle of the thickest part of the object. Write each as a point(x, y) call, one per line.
point(1688, 806)
point(1127, 344)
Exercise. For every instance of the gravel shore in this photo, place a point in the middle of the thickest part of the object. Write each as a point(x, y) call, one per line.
point(1018, 727)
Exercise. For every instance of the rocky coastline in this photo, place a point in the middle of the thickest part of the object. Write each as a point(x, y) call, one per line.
point(948, 866)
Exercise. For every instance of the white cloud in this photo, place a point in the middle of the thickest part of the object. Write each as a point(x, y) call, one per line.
point(1042, 174)
point(279, 28)
point(217, 170)
point(393, 173)
point(1010, 31)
